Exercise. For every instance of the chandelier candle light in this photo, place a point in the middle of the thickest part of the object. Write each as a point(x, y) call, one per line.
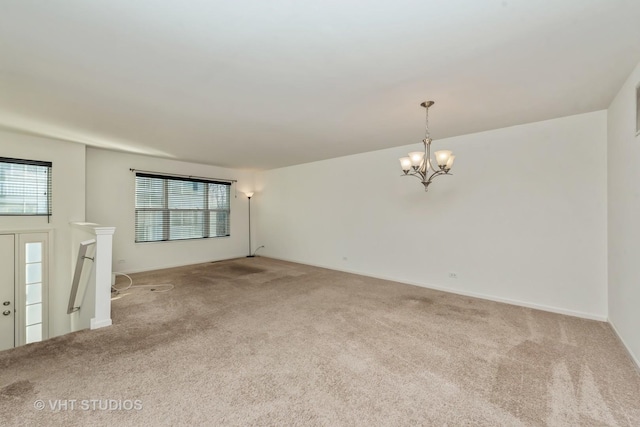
point(419, 163)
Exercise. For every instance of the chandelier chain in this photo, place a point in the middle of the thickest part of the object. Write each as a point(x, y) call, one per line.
point(426, 132)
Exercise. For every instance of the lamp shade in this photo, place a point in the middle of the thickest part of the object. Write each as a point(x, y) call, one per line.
point(442, 157)
point(249, 194)
point(416, 158)
point(450, 162)
point(405, 163)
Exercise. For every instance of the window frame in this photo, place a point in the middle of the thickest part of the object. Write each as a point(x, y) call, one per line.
point(166, 210)
point(49, 191)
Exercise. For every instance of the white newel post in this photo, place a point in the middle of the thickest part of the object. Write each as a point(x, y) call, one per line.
point(103, 263)
point(91, 297)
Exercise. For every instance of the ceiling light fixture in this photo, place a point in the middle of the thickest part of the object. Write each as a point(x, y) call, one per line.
point(419, 163)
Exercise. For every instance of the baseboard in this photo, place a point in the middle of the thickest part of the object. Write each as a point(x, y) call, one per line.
point(96, 324)
point(633, 357)
point(551, 309)
point(167, 266)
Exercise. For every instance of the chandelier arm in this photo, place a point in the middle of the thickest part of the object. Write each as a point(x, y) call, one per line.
point(428, 178)
point(417, 175)
point(437, 173)
point(423, 173)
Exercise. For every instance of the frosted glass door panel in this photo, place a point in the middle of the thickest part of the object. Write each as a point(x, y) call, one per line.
point(34, 293)
point(34, 273)
point(33, 252)
point(34, 333)
point(32, 287)
point(34, 314)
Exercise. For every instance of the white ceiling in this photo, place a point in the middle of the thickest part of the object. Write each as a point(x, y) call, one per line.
point(263, 84)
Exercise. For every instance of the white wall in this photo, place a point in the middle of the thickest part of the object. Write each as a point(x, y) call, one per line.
point(523, 219)
point(624, 215)
point(111, 201)
point(68, 179)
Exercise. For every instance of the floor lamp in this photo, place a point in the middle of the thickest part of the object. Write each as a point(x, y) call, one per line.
point(249, 194)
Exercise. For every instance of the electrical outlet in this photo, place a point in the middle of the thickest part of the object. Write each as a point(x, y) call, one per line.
point(121, 261)
point(453, 275)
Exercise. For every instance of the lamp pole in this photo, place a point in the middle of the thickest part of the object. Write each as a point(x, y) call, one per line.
point(249, 197)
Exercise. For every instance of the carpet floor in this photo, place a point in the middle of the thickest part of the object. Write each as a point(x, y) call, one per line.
point(263, 342)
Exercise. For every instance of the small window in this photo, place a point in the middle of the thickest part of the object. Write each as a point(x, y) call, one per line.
point(25, 187)
point(174, 208)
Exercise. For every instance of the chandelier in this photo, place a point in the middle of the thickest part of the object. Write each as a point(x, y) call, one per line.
point(419, 163)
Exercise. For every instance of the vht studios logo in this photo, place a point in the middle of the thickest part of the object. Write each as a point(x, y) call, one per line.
point(60, 405)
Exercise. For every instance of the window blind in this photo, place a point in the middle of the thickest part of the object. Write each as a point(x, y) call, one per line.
point(25, 187)
point(175, 208)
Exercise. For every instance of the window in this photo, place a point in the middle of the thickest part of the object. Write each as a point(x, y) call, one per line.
point(172, 208)
point(25, 187)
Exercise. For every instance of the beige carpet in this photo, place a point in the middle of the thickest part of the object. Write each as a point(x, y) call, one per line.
point(264, 342)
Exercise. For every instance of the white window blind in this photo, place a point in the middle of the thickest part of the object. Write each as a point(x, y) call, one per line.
point(25, 187)
point(175, 208)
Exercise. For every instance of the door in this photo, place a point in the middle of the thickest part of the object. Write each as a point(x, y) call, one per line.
point(7, 291)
